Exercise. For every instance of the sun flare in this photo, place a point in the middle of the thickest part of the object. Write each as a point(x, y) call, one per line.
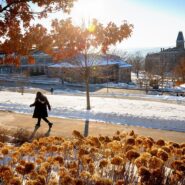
point(88, 11)
point(91, 28)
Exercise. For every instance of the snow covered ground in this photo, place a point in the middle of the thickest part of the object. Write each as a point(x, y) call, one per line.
point(138, 111)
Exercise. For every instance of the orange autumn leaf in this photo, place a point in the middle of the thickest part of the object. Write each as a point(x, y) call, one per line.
point(31, 60)
point(1, 61)
point(17, 61)
point(9, 60)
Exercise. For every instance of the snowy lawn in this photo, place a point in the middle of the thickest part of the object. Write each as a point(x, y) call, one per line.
point(137, 112)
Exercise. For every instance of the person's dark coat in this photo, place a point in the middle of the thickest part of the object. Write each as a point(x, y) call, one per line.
point(41, 105)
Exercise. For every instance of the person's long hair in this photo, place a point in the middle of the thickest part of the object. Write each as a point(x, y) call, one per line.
point(40, 96)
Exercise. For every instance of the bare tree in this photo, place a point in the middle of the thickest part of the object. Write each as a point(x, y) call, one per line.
point(179, 70)
point(162, 69)
point(137, 62)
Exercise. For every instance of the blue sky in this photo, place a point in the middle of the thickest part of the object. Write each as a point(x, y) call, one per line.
point(156, 22)
point(175, 7)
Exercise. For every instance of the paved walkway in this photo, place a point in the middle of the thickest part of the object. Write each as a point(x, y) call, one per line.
point(64, 127)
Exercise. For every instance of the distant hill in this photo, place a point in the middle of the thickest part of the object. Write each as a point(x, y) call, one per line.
point(144, 51)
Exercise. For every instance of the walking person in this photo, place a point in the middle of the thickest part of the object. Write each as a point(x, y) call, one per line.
point(52, 90)
point(41, 104)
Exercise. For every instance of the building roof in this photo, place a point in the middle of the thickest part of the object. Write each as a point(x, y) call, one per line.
point(92, 60)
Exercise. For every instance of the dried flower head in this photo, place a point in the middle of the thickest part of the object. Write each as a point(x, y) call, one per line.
point(144, 173)
point(176, 176)
point(115, 145)
point(117, 160)
point(117, 138)
point(95, 141)
point(20, 169)
point(132, 155)
point(130, 141)
point(15, 181)
point(28, 168)
point(77, 134)
point(138, 141)
point(157, 173)
point(148, 143)
point(103, 163)
point(120, 182)
point(160, 142)
point(64, 180)
point(85, 175)
point(166, 149)
point(86, 159)
point(101, 139)
point(1, 144)
point(117, 132)
point(155, 163)
point(182, 145)
point(63, 172)
point(4, 151)
point(74, 173)
point(91, 168)
point(102, 181)
point(6, 174)
point(141, 161)
point(128, 147)
point(107, 153)
point(146, 155)
point(162, 154)
point(175, 145)
point(82, 152)
point(59, 159)
point(183, 150)
point(179, 151)
point(154, 152)
point(79, 182)
point(177, 164)
point(107, 139)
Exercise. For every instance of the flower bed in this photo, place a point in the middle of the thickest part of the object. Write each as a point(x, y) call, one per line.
point(123, 159)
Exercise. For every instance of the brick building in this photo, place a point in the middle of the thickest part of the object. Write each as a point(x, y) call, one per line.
point(166, 60)
point(101, 69)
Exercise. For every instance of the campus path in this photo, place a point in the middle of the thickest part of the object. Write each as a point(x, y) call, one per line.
point(64, 127)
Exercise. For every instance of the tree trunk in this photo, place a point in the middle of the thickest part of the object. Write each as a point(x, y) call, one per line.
point(137, 74)
point(88, 106)
point(87, 95)
point(86, 127)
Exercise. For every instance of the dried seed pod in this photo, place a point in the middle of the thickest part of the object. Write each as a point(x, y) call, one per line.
point(155, 163)
point(162, 154)
point(132, 155)
point(160, 142)
point(117, 160)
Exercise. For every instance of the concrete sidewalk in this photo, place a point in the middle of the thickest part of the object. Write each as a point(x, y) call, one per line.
point(64, 127)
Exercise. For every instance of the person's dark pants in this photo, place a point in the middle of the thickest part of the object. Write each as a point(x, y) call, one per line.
point(44, 118)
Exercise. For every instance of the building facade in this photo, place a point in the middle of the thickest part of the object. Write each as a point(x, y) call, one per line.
point(101, 69)
point(167, 59)
point(42, 60)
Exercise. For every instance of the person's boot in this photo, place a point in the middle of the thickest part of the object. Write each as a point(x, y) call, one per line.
point(50, 124)
point(37, 125)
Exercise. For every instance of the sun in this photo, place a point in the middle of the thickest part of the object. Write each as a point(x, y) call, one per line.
point(86, 10)
point(91, 28)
